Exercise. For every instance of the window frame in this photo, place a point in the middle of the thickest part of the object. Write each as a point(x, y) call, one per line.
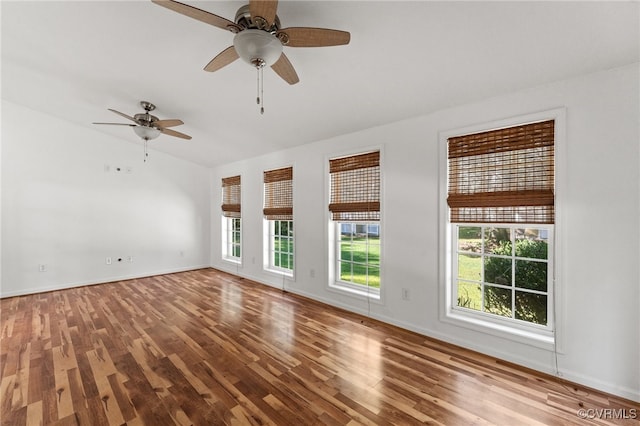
point(228, 242)
point(370, 291)
point(231, 191)
point(270, 225)
point(549, 339)
point(278, 191)
point(481, 314)
point(334, 284)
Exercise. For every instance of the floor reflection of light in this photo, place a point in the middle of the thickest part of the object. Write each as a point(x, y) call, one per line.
point(363, 363)
point(231, 308)
point(282, 324)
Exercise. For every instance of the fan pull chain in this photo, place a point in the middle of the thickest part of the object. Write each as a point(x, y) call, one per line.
point(260, 88)
point(146, 153)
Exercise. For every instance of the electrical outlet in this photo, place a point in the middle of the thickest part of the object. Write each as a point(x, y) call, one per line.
point(312, 273)
point(108, 261)
point(42, 268)
point(405, 294)
point(130, 259)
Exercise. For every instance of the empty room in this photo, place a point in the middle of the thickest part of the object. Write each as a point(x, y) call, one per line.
point(320, 212)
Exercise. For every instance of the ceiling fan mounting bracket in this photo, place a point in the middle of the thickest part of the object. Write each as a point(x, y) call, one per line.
point(148, 106)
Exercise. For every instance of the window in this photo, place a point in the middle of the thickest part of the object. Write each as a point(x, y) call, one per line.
point(503, 271)
point(278, 214)
point(231, 219)
point(281, 245)
point(355, 212)
point(501, 214)
point(359, 260)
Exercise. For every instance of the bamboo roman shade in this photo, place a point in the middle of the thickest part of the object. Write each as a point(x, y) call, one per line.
point(278, 194)
point(231, 196)
point(355, 187)
point(503, 176)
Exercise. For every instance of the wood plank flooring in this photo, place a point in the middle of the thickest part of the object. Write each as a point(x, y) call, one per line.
point(207, 348)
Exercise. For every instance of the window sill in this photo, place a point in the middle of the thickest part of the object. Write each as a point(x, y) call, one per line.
point(233, 260)
point(543, 339)
point(281, 272)
point(346, 288)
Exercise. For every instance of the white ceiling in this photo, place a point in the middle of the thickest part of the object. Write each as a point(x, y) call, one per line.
point(75, 59)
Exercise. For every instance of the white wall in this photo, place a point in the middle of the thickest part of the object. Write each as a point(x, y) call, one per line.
point(61, 209)
point(598, 225)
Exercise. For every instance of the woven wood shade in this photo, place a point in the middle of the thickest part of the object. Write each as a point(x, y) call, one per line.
point(503, 176)
point(231, 196)
point(278, 194)
point(355, 187)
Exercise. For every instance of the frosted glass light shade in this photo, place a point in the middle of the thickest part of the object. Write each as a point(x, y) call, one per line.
point(252, 45)
point(146, 133)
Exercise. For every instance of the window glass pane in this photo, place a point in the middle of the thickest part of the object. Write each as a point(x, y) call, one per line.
point(374, 254)
point(359, 274)
point(469, 267)
point(469, 238)
point(345, 271)
point(469, 295)
point(531, 275)
point(236, 251)
point(276, 227)
point(531, 307)
point(497, 241)
point(532, 243)
point(374, 276)
point(497, 270)
point(359, 252)
point(497, 301)
point(345, 251)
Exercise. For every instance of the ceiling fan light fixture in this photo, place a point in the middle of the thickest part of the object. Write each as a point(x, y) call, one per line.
point(147, 133)
point(257, 47)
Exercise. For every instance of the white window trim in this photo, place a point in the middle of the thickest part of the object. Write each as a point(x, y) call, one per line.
point(357, 289)
point(225, 242)
point(334, 285)
point(552, 339)
point(267, 260)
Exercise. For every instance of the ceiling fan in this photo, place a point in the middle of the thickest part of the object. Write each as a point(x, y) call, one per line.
point(148, 126)
point(259, 37)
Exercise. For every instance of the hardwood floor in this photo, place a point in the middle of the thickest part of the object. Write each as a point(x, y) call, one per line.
point(205, 348)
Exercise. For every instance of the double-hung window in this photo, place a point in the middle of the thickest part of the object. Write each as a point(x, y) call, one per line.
point(231, 219)
point(501, 217)
point(355, 220)
point(278, 215)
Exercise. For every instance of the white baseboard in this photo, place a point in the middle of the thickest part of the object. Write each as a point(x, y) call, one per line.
point(44, 289)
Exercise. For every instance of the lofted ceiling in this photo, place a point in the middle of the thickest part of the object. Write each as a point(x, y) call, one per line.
point(75, 59)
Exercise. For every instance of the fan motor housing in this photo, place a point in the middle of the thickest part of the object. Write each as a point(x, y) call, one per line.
point(145, 118)
point(244, 21)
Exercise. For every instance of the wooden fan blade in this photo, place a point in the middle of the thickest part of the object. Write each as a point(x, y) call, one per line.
point(195, 13)
point(174, 133)
point(285, 70)
point(118, 124)
point(312, 37)
point(224, 58)
point(265, 9)
point(128, 117)
point(161, 124)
